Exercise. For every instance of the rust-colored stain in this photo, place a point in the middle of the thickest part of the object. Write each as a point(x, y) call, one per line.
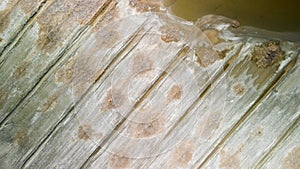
point(292, 160)
point(229, 160)
point(182, 155)
point(267, 54)
point(85, 132)
point(175, 93)
point(119, 162)
point(21, 70)
point(147, 5)
point(3, 97)
point(239, 89)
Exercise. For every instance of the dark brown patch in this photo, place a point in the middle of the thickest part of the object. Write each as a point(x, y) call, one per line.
point(21, 70)
point(292, 160)
point(267, 54)
point(147, 5)
point(170, 34)
point(21, 137)
point(239, 89)
point(3, 96)
point(65, 73)
point(183, 154)
point(229, 160)
point(174, 93)
point(144, 130)
point(118, 162)
point(206, 56)
point(85, 132)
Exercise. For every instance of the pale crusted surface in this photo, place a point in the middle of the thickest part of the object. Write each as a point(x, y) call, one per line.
point(112, 84)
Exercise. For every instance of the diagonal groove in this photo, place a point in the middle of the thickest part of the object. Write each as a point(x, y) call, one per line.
point(287, 132)
point(102, 11)
point(177, 58)
point(23, 29)
point(130, 44)
point(61, 56)
point(248, 113)
point(279, 142)
point(205, 91)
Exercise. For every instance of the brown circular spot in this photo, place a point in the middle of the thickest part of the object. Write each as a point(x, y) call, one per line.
point(117, 161)
point(113, 99)
point(239, 89)
point(229, 160)
point(21, 137)
point(292, 160)
point(21, 70)
point(182, 155)
point(85, 132)
point(65, 73)
point(144, 130)
point(174, 94)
